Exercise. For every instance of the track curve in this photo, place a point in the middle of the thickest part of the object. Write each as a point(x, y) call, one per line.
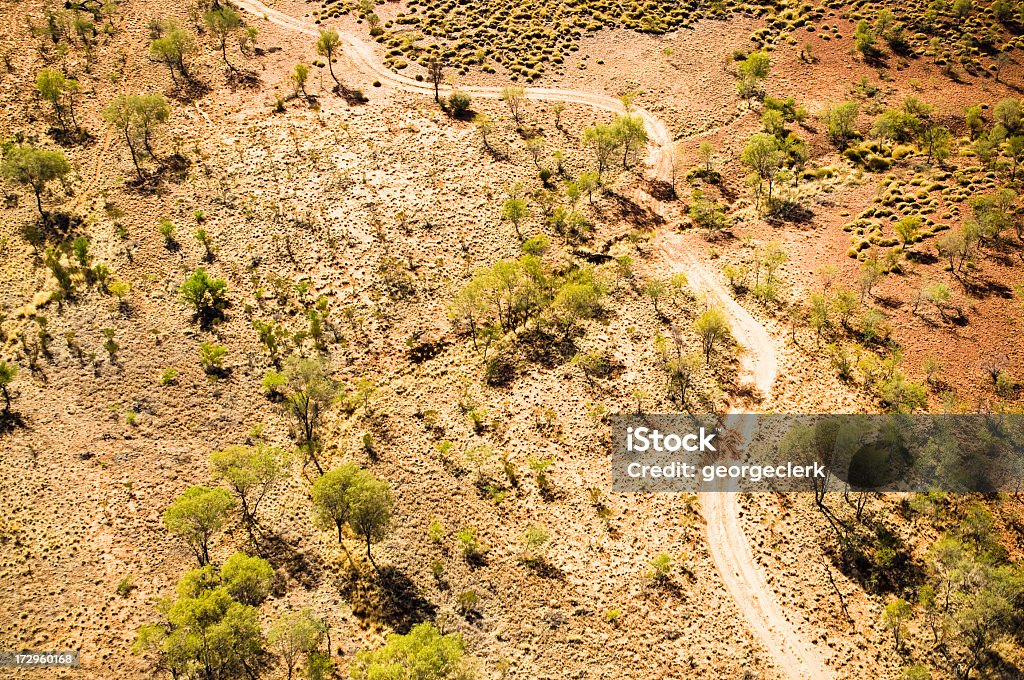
point(727, 542)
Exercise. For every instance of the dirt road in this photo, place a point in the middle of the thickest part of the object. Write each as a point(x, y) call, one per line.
point(730, 550)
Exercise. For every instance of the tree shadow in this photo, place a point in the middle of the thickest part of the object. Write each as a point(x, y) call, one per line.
point(243, 78)
point(983, 288)
point(628, 210)
point(542, 567)
point(392, 599)
point(175, 167)
point(190, 89)
point(10, 421)
point(65, 137)
point(546, 349)
point(302, 567)
point(660, 189)
point(352, 96)
point(791, 212)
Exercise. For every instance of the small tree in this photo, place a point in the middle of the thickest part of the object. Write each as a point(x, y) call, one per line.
point(895, 618)
point(174, 48)
point(513, 96)
point(248, 579)
point(296, 635)
point(136, 116)
point(712, 327)
point(371, 510)
point(937, 142)
point(764, 157)
point(632, 135)
point(907, 229)
point(327, 44)
point(515, 211)
point(8, 372)
point(840, 123)
point(656, 290)
point(34, 168)
point(706, 154)
point(864, 39)
point(436, 70)
point(299, 77)
point(222, 22)
point(196, 515)
point(752, 71)
point(422, 653)
point(309, 391)
point(332, 501)
point(207, 296)
point(53, 86)
point(605, 142)
point(251, 472)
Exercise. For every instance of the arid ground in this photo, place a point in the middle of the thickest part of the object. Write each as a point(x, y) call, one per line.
point(476, 275)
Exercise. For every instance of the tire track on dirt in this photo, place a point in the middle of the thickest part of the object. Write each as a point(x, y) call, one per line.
point(727, 542)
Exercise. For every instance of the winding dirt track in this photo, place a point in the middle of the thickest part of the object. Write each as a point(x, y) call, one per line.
point(728, 545)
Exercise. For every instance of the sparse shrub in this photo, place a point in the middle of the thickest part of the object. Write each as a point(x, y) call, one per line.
point(471, 547)
point(211, 357)
point(459, 103)
point(8, 372)
point(206, 295)
point(467, 601)
point(435, 531)
point(661, 568)
point(125, 586)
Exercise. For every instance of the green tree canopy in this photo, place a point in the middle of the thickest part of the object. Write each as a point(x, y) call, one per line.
point(309, 391)
point(34, 168)
point(174, 48)
point(197, 515)
point(327, 45)
point(332, 502)
point(251, 471)
point(222, 22)
point(206, 296)
point(422, 653)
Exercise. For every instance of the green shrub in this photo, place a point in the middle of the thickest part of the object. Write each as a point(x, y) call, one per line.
point(459, 103)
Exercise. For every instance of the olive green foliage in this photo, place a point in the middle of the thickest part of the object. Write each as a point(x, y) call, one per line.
point(251, 472)
point(459, 103)
point(752, 70)
point(627, 136)
point(298, 636)
point(137, 116)
point(206, 296)
point(212, 628)
point(349, 495)
point(308, 391)
point(197, 515)
point(327, 45)
point(8, 372)
point(513, 293)
point(60, 91)
point(840, 122)
point(34, 168)
point(421, 653)
point(712, 327)
point(222, 22)
point(174, 48)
